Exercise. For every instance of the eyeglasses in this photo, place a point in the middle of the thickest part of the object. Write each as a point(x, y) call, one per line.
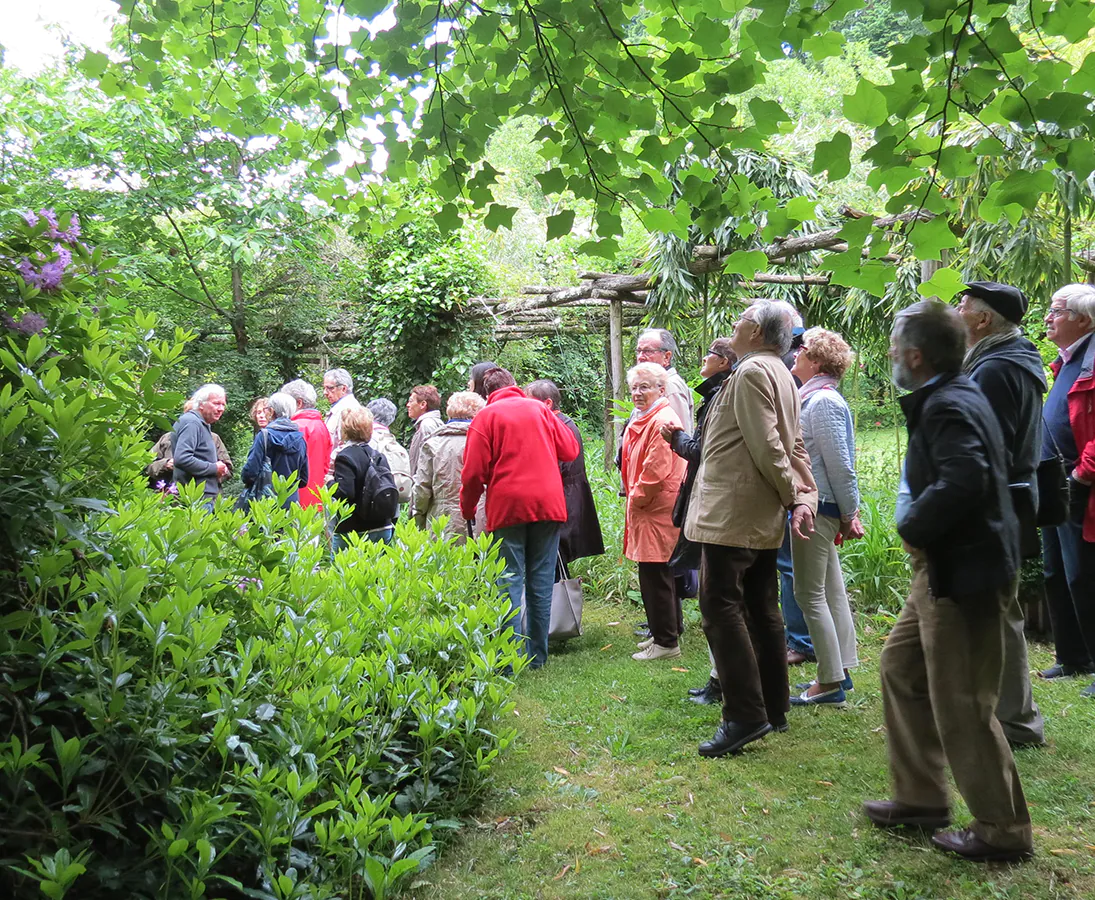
point(716, 353)
point(648, 351)
point(1055, 312)
point(642, 387)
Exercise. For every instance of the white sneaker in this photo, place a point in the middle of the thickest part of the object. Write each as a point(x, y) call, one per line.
point(657, 651)
point(642, 645)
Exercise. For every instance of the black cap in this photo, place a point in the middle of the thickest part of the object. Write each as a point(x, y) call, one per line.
point(1009, 301)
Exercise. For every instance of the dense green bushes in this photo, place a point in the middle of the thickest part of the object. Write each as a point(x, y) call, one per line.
point(208, 702)
point(196, 705)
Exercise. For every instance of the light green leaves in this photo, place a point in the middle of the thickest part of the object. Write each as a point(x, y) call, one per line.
point(866, 106)
point(746, 263)
point(667, 221)
point(822, 45)
point(929, 239)
point(944, 284)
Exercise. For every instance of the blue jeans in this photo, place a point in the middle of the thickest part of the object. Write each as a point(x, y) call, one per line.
point(341, 542)
point(798, 635)
point(1069, 568)
point(530, 551)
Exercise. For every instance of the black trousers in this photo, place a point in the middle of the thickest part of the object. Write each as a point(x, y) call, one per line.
point(739, 600)
point(1069, 567)
point(660, 602)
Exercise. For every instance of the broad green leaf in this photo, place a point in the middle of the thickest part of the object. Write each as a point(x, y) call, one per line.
point(820, 46)
point(929, 239)
point(560, 224)
point(499, 216)
point(746, 263)
point(833, 156)
point(944, 284)
point(664, 220)
point(866, 106)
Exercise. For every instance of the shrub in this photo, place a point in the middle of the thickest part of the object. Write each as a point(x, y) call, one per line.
point(203, 704)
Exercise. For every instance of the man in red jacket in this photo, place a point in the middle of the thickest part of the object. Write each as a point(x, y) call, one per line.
point(316, 437)
point(514, 449)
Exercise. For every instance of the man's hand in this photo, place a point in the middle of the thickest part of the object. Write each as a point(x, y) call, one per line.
point(852, 529)
point(669, 430)
point(802, 522)
point(909, 548)
point(471, 527)
point(169, 463)
point(222, 469)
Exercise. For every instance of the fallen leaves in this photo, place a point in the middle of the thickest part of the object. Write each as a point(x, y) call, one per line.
point(565, 869)
point(560, 771)
point(679, 669)
point(617, 698)
point(605, 647)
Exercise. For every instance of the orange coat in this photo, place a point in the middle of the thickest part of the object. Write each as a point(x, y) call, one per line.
point(652, 475)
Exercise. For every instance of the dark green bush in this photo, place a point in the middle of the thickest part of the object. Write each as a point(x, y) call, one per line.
point(197, 705)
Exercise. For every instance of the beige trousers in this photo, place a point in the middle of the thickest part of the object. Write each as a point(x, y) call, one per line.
point(941, 669)
point(820, 594)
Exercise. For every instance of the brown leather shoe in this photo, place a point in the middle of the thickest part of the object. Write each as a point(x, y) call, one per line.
point(794, 658)
point(969, 846)
point(890, 814)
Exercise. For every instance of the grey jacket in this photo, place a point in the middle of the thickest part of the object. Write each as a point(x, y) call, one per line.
point(681, 399)
point(195, 453)
point(830, 440)
point(437, 481)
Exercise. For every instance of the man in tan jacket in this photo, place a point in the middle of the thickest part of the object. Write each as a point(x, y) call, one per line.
point(753, 469)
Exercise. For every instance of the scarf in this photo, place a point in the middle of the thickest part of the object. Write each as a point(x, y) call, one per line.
point(987, 343)
point(815, 384)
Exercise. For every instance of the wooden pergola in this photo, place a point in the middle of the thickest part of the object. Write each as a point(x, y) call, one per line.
point(613, 302)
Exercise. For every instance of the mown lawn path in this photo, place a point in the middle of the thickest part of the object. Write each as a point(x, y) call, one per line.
point(604, 796)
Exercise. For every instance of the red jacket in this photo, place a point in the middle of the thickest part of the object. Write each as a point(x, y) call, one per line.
point(318, 441)
point(1081, 415)
point(514, 449)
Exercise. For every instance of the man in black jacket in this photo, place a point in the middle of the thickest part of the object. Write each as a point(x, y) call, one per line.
point(943, 660)
point(1009, 370)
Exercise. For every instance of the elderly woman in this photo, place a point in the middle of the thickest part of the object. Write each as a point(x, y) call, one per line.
point(399, 460)
point(351, 469)
point(440, 466)
point(279, 447)
point(652, 476)
point(819, 583)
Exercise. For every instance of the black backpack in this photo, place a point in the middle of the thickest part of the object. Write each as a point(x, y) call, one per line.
point(378, 501)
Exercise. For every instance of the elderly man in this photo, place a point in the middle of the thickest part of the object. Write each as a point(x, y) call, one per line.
point(753, 469)
point(656, 345)
point(399, 461)
point(1069, 549)
point(943, 660)
point(192, 445)
point(424, 408)
point(1008, 369)
point(513, 452)
point(316, 438)
point(338, 388)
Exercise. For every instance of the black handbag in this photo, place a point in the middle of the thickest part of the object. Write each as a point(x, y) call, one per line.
point(1052, 488)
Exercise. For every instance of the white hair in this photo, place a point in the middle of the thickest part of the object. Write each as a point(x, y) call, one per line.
point(202, 394)
point(282, 405)
point(383, 410)
point(301, 391)
point(341, 377)
point(666, 341)
point(775, 318)
point(657, 375)
point(1078, 299)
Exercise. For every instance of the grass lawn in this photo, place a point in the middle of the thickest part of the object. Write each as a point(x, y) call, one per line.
point(604, 796)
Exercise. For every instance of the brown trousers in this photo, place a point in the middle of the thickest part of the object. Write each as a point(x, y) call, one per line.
point(739, 600)
point(941, 670)
point(660, 602)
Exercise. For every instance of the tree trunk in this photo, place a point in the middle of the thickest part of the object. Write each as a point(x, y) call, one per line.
point(239, 309)
point(1067, 238)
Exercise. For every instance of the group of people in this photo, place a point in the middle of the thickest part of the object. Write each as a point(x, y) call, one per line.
point(760, 488)
point(505, 460)
point(756, 488)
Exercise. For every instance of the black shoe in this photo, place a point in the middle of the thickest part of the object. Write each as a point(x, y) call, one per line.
point(969, 846)
point(712, 682)
point(891, 814)
point(1059, 670)
point(732, 736)
point(780, 726)
point(709, 695)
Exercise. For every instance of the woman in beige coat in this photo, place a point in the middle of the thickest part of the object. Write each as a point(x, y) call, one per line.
point(440, 465)
point(652, 476)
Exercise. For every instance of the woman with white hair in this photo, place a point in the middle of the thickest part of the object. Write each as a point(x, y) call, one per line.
point(652, 476)
point(280, 448)
point(383, 412)
point(441, 465)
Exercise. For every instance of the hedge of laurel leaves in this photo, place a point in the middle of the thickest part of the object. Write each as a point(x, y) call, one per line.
point(200, 705)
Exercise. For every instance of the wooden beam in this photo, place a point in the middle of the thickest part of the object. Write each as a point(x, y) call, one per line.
point(616, 354)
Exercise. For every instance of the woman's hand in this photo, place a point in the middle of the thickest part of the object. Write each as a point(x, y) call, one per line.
point(852, 529)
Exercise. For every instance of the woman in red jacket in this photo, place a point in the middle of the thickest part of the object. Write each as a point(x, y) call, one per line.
point(513, 451)
point(652, 476)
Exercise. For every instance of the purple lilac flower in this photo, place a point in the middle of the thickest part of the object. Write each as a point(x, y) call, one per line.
point(70, 236)
point(52, 273)
point(173, 489)
point(30, 323)
point(30, 218)
point(161, 484)
point(64, 255)
point(28, 273)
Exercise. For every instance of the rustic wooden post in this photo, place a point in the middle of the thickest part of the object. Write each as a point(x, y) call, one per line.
point(616, 348)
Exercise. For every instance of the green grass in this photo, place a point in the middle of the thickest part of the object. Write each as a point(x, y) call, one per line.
point(604, 795)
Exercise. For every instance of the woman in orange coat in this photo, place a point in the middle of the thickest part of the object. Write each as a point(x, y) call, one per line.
point(652, 476)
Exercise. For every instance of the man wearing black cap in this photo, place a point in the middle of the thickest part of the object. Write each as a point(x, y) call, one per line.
point(1008, 369)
